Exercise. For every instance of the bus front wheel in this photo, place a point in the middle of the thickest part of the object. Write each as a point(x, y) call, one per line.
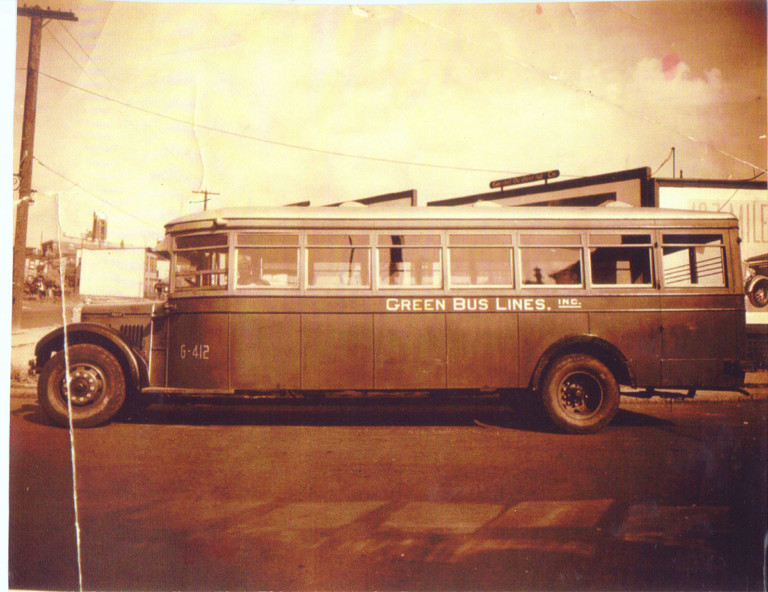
point(88, 380)
point(580, 394)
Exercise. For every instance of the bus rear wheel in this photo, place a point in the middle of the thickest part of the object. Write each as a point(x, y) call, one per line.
point(94, 389)
point(580, 394)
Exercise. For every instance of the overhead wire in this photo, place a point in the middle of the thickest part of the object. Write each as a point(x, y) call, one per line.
point(250, 137)
point(99, 70)
point(666, 160)
point(342, 154)
point(77, 185)
point(71, 36)
point(572, 86)
point(56, 39)
point(214, 129)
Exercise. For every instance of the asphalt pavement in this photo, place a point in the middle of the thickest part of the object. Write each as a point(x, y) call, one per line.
point(392, 495)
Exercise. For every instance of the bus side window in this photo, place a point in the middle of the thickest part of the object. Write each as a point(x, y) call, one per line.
point(267, 260)
point(480, 260)
point(545, 262)
point(694, 260)
point(620, 259)
point(200, 262)
point(338, 261)
point(407, 260)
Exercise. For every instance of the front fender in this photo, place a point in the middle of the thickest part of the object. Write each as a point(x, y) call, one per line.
point(134, 365)
point(756, 288)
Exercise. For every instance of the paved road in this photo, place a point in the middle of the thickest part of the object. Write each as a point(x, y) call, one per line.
point(391, 495)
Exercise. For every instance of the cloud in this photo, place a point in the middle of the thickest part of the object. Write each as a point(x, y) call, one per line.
point(668, 82)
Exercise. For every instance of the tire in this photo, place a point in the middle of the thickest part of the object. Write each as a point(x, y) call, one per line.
point(97, 386)
point(580, 394)
point(757, 292)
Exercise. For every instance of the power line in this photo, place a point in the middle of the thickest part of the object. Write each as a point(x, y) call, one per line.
point(94, 195)
point(96, 66)
point(71, 57)
point(206, 199)
point(571, 86)
point(76, 42)
point(275, 142)
point(666, 160)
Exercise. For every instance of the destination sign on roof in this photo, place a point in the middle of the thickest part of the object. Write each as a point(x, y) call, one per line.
point(546, 175)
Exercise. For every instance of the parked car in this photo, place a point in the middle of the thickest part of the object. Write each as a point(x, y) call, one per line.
point(756, 283)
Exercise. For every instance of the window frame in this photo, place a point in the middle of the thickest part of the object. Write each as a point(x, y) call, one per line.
point(508, 235)
point(198, 290)
point(724, 255)
point(306, 247)
point(440, 247)
point(650, 245)
point(235, 245)
point(576, 245)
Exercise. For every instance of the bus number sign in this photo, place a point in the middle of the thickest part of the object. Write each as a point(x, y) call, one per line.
point(197, 351)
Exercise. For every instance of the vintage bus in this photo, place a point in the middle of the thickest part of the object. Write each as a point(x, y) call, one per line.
point(564, 304)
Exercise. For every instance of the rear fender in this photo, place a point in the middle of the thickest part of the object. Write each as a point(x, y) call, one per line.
point(134, 366)
point(604, 351)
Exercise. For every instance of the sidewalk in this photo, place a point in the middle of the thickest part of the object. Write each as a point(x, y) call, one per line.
point(23, 343)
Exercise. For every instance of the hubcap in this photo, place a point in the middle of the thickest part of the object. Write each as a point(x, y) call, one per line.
point(580, 395)
point(761, 296)
point(86, 385)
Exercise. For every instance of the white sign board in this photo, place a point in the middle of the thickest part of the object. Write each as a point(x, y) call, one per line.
point(112, 272)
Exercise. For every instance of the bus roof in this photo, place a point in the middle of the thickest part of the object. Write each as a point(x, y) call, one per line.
point(248, 216)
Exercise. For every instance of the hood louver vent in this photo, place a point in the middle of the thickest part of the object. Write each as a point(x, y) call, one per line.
point(133, 334)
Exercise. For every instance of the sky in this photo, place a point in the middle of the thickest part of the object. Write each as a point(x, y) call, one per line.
point(140, 105)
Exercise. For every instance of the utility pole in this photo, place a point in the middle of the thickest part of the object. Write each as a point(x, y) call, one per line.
point(204, 201)
point(36, 16)
point(673, 163)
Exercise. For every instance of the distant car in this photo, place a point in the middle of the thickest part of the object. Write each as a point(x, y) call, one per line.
point(756, 283)
point(161, 289)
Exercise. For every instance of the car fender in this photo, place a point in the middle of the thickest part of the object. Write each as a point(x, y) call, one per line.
point(137, 373)
point(753, 284)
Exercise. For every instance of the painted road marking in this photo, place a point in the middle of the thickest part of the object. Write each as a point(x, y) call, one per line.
point(193, 512)
point(554, 514)
point(442, 518)
point(477, 546)
point(387, 548)
point(675, 526)
point(315, 515)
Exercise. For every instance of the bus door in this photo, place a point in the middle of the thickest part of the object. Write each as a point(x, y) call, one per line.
point(698, 315)
point(198, 327)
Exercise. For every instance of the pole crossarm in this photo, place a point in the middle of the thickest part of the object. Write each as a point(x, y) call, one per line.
point(205, 200)
point(36, 11)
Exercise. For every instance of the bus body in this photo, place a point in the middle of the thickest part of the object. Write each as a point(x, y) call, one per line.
point(567, 303)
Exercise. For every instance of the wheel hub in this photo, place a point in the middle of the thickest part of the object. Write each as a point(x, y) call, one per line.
point(580, 395)
point(85, 385)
